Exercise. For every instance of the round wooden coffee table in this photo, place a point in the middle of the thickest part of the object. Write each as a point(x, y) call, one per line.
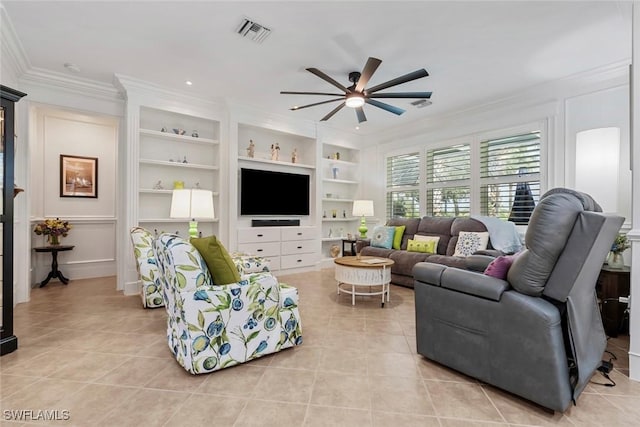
point(364, 273)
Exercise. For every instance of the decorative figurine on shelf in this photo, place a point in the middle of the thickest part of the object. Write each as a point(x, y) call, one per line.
point(251, 149)
point(197, 186)
point(334, 251)
point(185, 160)
point(330, 232)
point(344, 213)
point(164, 129)
point(178, 185)
point(334, 171)
point(158, 186)
point(275, 151)
point(324, 214)
point(337, 155)
point(294, 156)
point(195, 134)
point(334, 213)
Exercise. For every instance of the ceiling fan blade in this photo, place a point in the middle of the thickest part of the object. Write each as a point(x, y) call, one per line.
point(369, 68)
point(386, 107)
point(335, 110)
point(328, 79)
point(418, 74)
point(425, 95)
point(286, 92)
point(314, 104)
point(360, 114)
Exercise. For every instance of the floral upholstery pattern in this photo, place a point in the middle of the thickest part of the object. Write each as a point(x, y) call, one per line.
point(211, 327)
point(247, 263)
point(151, 289)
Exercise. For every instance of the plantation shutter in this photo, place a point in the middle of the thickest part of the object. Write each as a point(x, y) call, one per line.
point(448, 181)
point(403, 180)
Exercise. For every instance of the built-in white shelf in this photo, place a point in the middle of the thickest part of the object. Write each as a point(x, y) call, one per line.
point(340, 162)
point(332, 239)
point(339, 219)
point(340, 181)
point(178, 164)
point(176, 137)
point(275, 162)
point(163, 191)
point(337, 200)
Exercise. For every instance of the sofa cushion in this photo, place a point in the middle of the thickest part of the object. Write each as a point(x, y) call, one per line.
point(221, 266)
point(462, 224)
point(383, 237)
point(422, 246)
point(470, 242)
point(404, 261)
point(437, 226)
point(397, 236)
point(499, 267)
point(450, 261)
point(411, 228)
point(377, 252)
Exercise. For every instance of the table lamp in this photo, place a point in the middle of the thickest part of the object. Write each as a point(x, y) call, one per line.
point(194, 203)
point(363, 208)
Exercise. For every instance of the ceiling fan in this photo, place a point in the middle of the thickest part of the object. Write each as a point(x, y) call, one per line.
point(356, 95)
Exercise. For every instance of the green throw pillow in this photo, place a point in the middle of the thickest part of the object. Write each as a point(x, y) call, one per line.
point(223, 270)
point(427, 247)
point(397, 237)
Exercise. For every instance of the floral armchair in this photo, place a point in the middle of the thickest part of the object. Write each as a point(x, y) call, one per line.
point(151, 290)
point(211, 327)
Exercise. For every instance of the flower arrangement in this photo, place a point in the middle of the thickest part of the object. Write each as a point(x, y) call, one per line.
point(621, 244)
point(53, 228)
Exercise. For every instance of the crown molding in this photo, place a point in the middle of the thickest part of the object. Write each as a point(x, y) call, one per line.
point(128, 85)
point(81, 86)
point(12, 50)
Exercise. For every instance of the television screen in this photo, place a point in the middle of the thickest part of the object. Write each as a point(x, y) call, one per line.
point(273, 193)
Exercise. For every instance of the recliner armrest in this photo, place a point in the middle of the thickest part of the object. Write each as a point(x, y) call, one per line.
point(478, 262)
point(459, 280)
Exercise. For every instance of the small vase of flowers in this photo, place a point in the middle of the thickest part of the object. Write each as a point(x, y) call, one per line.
point(53, 229)
point(620, 244)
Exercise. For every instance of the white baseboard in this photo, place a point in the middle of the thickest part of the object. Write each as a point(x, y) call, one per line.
point(634, 366)
point(132, 288)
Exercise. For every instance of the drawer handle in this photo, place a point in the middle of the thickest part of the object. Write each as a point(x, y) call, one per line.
point(299, 260)
point(299, 247)
point(258, 250)
point(260, 235)
point(299, 234)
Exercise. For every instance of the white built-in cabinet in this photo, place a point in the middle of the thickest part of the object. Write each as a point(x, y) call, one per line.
point(285, 247)
point(340, 176)
point(174, 148)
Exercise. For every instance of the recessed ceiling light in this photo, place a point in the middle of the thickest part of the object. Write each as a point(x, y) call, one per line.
point(357, 127)
point(188, 82)
point(72, 67)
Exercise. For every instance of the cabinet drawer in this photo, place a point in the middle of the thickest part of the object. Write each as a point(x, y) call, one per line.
point(274, 263)
point(299, 233)
point(299, 260)
point(262, 249)
point(298, 247)
point(258, 234)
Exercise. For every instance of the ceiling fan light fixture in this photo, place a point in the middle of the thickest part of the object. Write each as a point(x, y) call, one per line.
point(354, 101)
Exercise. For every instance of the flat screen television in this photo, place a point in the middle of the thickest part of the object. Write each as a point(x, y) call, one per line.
point(273, 193)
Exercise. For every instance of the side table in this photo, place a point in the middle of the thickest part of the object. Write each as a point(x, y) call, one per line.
point(348, 247)
point(54, 249)
point(612, 284)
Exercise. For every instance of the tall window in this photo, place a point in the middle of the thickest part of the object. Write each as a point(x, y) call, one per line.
point(448, 181)
point(510, 176)
point(403, 180)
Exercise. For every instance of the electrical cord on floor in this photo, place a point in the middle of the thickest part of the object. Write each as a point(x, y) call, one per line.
point(604, 369)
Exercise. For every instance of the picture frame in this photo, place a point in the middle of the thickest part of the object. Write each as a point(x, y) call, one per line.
point(78, 176)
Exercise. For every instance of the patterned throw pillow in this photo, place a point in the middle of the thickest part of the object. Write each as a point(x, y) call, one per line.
point(383, 237)
point(397, 237)
point(247, 264)
point(434, 239)
point(470, 242)
point(499, 267)
point(423, 246)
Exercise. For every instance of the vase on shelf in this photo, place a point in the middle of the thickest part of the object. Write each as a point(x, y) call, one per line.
point(53, 239)
point(616, 260)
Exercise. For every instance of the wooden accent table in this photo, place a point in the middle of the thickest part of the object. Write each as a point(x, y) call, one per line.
point(363, 271)
point(54, 249)
point(612, 284)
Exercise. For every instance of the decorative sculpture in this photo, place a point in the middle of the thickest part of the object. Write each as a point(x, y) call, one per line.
point(294, 155)
point(251, 149)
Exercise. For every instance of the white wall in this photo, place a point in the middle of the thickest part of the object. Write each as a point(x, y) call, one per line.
point(94, 220)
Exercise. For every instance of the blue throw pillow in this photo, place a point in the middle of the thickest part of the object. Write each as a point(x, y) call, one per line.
point(383, 237)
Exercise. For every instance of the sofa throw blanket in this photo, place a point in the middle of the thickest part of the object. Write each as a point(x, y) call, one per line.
point(503, 234)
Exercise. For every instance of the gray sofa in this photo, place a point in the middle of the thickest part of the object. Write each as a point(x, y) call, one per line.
point(447, 229)
point(537, 334)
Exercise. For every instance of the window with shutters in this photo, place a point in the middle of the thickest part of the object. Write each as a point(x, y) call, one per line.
point(403, 180)
point(449, 181)
point(510, 176)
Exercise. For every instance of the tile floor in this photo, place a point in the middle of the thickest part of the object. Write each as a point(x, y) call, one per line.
point(88, 349)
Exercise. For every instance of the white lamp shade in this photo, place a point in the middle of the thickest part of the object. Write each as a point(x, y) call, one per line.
point(193, 204)
point(597, 165)
point(362, 208)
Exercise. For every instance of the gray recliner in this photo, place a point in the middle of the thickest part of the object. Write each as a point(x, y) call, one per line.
point(537, 334)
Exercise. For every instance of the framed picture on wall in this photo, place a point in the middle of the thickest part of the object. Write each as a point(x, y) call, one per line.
point(78, 176)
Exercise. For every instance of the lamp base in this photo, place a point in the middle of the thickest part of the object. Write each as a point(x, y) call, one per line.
point(363, 228)
point(193, 229)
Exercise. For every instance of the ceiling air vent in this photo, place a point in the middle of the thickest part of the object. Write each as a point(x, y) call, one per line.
point(421, 103)
point(253, 30)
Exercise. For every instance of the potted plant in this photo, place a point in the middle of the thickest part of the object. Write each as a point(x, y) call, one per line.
point(53, 229)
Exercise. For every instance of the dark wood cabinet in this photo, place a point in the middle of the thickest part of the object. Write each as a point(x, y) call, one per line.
point(613, 283)
point(8, 341)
